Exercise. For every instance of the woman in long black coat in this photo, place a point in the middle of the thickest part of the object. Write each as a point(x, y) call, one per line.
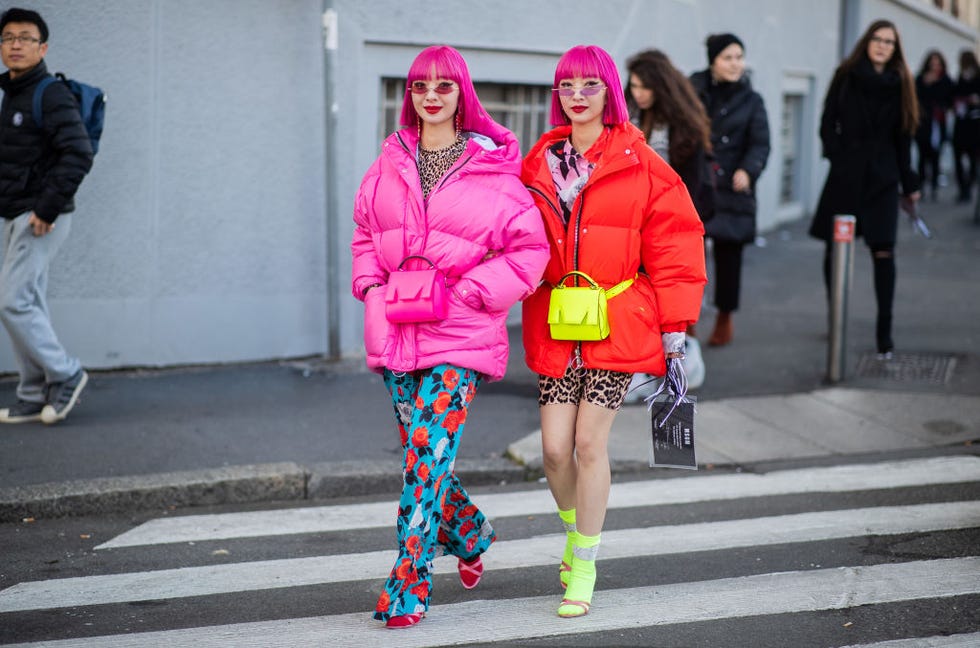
point(869, 117)
point(966, 131)
point(663, 104)
point(740, 139)
point(934, 90)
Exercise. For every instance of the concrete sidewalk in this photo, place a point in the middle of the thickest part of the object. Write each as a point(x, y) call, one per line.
point(311, 429)
point(832, 422)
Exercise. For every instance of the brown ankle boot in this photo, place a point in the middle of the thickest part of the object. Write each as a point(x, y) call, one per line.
point(724, 332)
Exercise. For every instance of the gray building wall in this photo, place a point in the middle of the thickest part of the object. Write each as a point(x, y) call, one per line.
point(210, 230)
point(199, 233)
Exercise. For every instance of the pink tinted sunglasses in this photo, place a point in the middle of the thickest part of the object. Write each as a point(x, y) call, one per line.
point(443, 87)
point(586, 90)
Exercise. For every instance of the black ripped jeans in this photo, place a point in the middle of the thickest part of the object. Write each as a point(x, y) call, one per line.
point(728, 274)
point(883, 264)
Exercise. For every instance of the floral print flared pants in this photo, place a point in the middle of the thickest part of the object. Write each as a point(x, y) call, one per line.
point(435, 515)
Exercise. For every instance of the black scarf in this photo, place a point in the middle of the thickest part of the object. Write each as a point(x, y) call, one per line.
point(884, 84)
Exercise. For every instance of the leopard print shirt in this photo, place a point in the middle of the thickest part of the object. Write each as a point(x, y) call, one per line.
point(434, 164)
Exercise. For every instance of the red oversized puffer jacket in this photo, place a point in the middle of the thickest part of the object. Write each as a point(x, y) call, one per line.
point(633, 212)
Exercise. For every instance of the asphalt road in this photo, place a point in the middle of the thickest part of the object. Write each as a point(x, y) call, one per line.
point(809, 556)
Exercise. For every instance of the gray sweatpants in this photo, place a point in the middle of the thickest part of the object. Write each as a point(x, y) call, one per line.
point(40, 357)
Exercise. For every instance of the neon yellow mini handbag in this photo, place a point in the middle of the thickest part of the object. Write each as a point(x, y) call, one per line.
point(580, 312)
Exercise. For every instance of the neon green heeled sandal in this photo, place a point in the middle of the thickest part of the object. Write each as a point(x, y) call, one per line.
point(578, 595)
point(565, 568)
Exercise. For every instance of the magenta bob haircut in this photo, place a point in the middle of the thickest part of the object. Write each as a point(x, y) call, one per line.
point(444, 62)
point(590, 61)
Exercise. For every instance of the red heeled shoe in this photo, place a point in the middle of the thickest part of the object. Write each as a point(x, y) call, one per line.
point(470, 573)
point(404, 620)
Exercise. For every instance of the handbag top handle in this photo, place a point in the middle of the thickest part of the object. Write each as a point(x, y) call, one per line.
point(415, 256)
point(592, 282)
point(612, 292)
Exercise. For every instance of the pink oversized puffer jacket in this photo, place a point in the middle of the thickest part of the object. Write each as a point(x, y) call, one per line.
point(479, 226)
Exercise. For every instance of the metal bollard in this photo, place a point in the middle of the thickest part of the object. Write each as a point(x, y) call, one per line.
point(842, 267)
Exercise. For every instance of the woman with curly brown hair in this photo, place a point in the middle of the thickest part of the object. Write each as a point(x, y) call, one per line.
point(663, 104)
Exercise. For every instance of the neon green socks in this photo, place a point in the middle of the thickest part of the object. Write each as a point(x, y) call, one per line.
point(568, 521)
point(581, 581)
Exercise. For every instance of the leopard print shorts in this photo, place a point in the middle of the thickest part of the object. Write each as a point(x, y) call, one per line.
point(600, 387)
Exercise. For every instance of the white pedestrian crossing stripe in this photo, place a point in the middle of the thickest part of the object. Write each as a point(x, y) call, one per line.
point(322, 519)
point(971, 640)
point(512, 619)
point(530, 552)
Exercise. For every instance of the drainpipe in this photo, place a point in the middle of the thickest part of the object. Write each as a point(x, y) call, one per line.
point(329, 18)
point(849, 28)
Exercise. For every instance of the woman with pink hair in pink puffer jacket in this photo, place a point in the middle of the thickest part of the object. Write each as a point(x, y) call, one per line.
point(445, 191)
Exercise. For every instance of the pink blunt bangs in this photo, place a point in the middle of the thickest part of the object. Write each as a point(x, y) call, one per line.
point(444, 62)
point(590, 61)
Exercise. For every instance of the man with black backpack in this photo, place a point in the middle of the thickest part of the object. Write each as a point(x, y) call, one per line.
point(41, 166)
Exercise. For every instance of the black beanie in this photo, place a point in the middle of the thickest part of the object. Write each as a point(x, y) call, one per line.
point(717, 42)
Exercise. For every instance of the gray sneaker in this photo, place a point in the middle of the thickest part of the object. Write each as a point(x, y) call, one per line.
point(63, 396)
point(21, 412)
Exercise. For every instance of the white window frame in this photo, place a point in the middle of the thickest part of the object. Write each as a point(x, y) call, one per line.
point(797, 85)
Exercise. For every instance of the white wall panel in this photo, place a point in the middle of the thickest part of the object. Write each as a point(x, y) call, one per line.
point(199, 235)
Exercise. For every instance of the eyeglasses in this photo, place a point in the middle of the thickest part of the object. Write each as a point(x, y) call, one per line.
point(587, 90)
point(887, 42)
point(10, 39)
point(443, 87)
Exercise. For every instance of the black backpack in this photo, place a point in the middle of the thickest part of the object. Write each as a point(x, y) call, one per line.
point(90, 100)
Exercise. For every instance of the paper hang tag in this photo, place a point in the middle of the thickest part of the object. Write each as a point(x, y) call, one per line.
point(672, 424)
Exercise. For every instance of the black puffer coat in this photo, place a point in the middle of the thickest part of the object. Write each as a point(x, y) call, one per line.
point(40, 169)
point(740, 139)
point(869, 153)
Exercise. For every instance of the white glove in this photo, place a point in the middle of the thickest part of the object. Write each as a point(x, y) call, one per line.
point(675, 380)
point(673, 343)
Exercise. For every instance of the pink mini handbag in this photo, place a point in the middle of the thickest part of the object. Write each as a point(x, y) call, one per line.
point(416, 295)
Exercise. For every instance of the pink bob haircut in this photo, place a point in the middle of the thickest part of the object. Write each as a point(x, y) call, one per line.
point(444, 62)
point(590, 61)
